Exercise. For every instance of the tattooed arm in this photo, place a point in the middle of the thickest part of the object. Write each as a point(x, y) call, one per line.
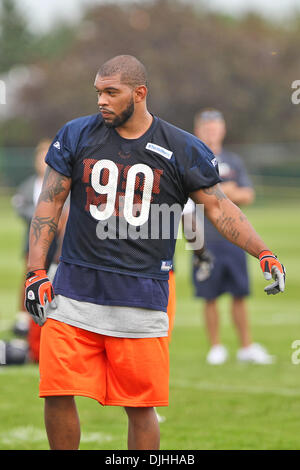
point(45, 221)
point(229, 220)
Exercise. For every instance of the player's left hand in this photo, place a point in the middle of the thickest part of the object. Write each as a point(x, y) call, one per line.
point(272, 268)
point(38, 289)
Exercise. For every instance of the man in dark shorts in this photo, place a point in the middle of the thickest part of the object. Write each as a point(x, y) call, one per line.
point(229, 273)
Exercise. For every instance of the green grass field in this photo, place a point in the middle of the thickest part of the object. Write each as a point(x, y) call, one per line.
point(233, 406)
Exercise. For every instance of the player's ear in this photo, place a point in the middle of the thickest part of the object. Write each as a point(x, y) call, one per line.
point(140, 93)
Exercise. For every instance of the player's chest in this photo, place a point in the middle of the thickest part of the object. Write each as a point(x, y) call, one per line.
point(120, 176)
point(122, 165)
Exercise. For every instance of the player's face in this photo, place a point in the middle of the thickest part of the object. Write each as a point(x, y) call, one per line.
point(211, 132)
point(115, 100)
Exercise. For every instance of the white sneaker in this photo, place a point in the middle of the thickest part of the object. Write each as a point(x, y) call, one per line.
point(217, 355)
point(256, 354)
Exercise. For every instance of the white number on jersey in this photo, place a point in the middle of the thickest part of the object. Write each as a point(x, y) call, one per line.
point(110, 189)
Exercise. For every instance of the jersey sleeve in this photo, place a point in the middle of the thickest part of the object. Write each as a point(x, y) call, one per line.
point(60, 155)
point(200, 168)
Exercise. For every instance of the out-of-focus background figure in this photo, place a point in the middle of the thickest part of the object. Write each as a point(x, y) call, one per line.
point(24, 202)
point(229, 273)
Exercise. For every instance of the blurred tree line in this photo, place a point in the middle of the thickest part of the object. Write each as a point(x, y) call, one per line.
point(243, 66)
point(19, 45)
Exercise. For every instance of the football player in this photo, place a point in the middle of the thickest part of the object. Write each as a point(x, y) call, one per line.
point(105, 328)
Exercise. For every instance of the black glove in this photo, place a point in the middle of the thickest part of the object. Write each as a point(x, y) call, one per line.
point(204, 264)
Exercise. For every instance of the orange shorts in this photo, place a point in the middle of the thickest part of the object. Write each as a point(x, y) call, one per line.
point(114, 371)
point(33, 338)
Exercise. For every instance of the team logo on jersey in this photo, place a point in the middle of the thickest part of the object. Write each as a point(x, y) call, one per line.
point(124, 155)
point(160, 150)
point(166, 265)
point(30, 295)
point(57, 145)
point(214, 161)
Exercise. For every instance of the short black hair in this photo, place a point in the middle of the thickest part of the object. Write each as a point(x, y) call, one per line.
point(131, 70)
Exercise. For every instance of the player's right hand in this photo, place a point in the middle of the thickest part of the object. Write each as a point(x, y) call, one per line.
point(272, 268)
point(38, 289)
point(204, 264)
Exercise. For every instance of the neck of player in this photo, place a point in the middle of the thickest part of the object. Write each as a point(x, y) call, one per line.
point(136, 125)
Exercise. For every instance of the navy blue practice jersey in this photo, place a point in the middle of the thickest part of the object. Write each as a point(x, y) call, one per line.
point(122, 190)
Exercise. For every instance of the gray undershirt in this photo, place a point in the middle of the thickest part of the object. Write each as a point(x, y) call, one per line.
point(122, 322)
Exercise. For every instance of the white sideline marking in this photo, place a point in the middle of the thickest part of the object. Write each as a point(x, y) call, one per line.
point(206, 386)
point(96, 437)
point(30, 434)
point(23, 434)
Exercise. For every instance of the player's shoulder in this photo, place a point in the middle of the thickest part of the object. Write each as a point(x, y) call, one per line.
point(183, 139)
point(83, 122)
point(173, 130)
point(76, 132)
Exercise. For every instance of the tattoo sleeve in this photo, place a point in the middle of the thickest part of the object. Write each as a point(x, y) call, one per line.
point(215, 191)
point(44, 223)
point(227, 225)
point(236, 228)
point(53, 185)
point(229, 220)
point(38, 223)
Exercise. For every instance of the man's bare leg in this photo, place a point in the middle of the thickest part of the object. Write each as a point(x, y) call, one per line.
point(143, 429)
point(240, 319)
point(211, 316)
point(62, 423)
